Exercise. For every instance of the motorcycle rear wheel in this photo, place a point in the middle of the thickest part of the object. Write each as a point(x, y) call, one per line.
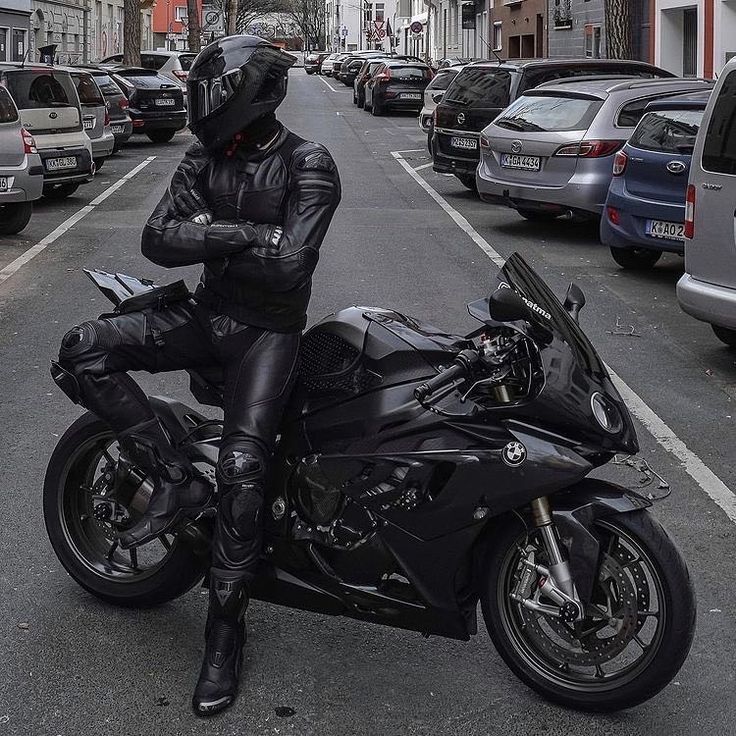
point(86, 546)
point(639, 563)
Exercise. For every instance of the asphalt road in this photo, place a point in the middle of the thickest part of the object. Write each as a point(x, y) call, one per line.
point(71, 665)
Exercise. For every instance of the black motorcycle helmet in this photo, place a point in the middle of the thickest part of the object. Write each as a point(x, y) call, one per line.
point(233, 82)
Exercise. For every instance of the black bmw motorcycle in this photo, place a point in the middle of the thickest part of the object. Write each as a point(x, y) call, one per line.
point(417, 474)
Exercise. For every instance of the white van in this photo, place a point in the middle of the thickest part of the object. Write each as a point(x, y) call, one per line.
point(707, 290)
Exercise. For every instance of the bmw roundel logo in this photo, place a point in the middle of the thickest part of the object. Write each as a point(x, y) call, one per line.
point(514, 454)
point(461, 118)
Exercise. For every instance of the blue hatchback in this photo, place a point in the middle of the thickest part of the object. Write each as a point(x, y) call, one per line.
point(645, 209)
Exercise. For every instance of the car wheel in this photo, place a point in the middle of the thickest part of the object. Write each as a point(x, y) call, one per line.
point(310, 73)
point(61, 192)
point(537, 215)
point(376, 109)
point(355, 99)
point(98, 163)
point(366, 106)
point(635, 259)
point(14, 217)
point(467, 180)
point(161, 136)
point(725, 335)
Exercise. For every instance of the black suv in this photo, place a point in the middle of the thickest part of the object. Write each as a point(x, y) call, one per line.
point(156, 104)
point(479, 92)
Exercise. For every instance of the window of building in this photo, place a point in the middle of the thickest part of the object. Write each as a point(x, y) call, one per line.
point(380, 11)
point(18, 45)
point(3, 44)
point(593, 41)
point(180, 13)
point(514, 47)
point(497, 36)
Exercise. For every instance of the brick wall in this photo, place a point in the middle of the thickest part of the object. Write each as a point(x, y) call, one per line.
point(576, 14)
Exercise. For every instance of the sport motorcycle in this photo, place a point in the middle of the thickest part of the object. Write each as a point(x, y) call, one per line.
point(417, 474)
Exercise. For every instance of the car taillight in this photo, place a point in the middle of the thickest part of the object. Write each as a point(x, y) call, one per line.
point(485, 143)
point(589, 149)
point(619, 163)
point(383, 76)
point(107, 114)
point(690, 212)
point(124, 104)
point(29, 144)
point(180, 74)
point(613, 215)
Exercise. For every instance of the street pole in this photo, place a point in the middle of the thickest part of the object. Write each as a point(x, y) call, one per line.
point(232, 17)
point(131, 33)
point(193, 26)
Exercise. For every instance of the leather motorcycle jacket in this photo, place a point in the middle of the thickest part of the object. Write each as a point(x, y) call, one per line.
point(271, 199)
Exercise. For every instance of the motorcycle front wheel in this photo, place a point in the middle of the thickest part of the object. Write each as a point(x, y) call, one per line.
point(637, 630)
point(79, 477)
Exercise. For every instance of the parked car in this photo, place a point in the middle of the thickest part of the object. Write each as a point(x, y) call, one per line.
point(397, 85)
point(121, 124)
point(21, 171)
point(172, 64)
point(350, 67)
point(707, 290)
point(455, 61)
point(644, 214)
point(481, 90)
point(433, 93)
point(95, 114)
point(337, 62)
point(156, 105)
point(550, 153)
point(50, 111)
point(366, 72)
point(337, 66)
point(313, 61)
point(327, 64)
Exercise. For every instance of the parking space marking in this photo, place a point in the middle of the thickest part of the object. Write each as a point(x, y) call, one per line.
point(423, 166)
point(69, 223)
point(330, 86)
point(665, 437)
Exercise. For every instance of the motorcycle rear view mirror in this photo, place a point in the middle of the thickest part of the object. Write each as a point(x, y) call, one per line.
point(574, 301)
point(505, 305)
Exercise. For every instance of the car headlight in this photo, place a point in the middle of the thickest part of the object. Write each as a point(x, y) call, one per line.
point(606, 413)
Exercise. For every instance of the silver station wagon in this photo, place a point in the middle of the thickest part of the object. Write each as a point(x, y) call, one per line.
point(21, 172)
point(550, 153)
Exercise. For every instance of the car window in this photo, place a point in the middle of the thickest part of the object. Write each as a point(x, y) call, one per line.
point(409, 72)
point(534, 77)
point(186, 61)
point(150, 81)
point(719, 150)
point(8, 112)
point(442, 80)
point(480, 87)
point(549, 113)
point(38, 89)
point(89, 93)
point(153, 61)
point(673, 131)
point(105, 83)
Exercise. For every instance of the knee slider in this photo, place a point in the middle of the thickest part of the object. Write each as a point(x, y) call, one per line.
point(240, 466)
point(77, 342)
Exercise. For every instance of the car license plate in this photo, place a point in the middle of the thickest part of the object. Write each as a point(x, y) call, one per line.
point(469, 143)
point(410, 96)
point(68, 162)
point(524, 163)
point(4, 184)
point(664, 229)
point(165, 101)
point(117, 128)
point(88, 123)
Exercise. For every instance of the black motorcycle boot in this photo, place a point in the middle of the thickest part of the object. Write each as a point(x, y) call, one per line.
point(179, 491)
point(225, 637)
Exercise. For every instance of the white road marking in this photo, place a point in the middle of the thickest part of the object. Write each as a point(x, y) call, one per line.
point(34, 250)
point(423, 166)
point(706, 479)
point(329, 85)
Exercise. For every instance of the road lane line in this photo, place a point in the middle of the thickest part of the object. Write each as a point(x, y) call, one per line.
point(423, 166)
point(34, 250)
point(665, 437)
point(329, 85)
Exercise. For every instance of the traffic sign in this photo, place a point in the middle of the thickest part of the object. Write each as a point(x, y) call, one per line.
point(417, 28)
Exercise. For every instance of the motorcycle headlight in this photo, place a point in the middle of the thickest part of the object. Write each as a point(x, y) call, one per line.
point(606, 413)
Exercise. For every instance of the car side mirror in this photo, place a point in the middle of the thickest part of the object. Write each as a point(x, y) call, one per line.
point(574, 301)
point(505, 305)
point(437, 96)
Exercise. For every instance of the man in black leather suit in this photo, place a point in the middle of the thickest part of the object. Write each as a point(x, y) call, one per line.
point(252, 202)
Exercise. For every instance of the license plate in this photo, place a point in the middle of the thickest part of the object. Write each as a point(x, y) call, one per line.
point(68, 162)
point(165, 101)
point(410, 96)
point(469, 143)
point(4, 184)
point(524, 163)
point(667, 230)
point(117, 128)
point(88, 123)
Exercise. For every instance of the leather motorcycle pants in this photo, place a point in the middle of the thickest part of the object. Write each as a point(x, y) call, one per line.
point(258, 367)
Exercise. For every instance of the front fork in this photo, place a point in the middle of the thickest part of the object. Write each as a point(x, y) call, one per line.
point(555, 581)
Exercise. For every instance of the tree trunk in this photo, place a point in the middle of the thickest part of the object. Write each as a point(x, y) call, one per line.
point(232, 17)
point(132, 33)
point(193, 26)
point(619, 31)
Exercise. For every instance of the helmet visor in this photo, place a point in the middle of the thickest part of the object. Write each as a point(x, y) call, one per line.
point(206, 95)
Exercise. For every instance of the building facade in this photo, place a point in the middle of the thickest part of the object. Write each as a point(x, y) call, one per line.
point(14, 29)
point(694, 37)
point(360, 25)
point(519, 29)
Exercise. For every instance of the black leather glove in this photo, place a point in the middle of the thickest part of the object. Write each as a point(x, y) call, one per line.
point(191, 205)
point(228, 238)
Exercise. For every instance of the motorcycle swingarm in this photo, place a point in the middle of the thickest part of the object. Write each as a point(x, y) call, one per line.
point(575, 511)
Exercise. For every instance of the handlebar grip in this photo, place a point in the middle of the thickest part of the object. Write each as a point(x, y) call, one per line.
point(442, 379)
